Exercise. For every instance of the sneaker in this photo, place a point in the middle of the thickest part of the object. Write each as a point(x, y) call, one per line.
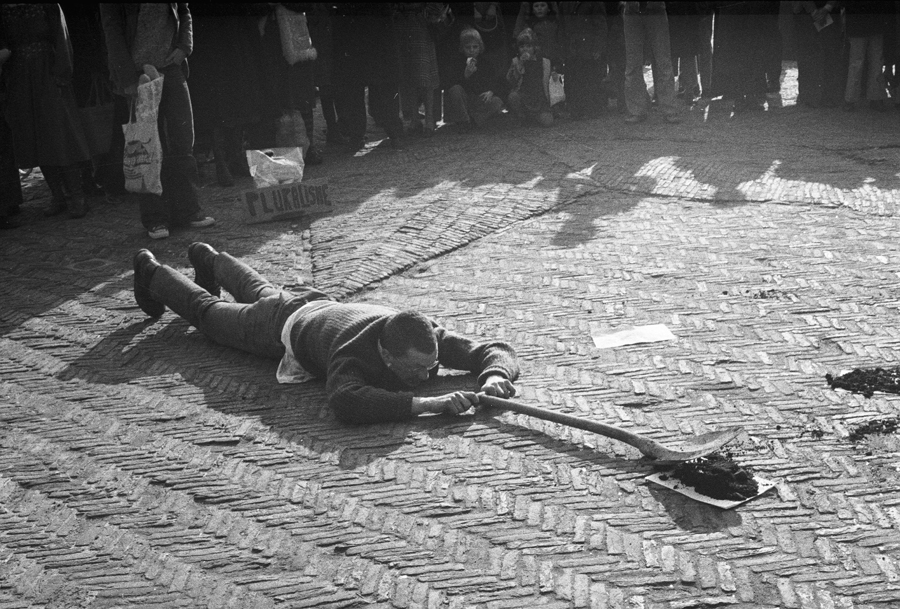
point(201, 221)
point(145, 265)
point(159, 232)
point(202, 257)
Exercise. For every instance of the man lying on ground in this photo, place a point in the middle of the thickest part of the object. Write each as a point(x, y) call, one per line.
point(369, 355)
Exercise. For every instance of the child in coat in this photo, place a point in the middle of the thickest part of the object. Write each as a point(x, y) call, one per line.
point(529, 77)
point(474, 97)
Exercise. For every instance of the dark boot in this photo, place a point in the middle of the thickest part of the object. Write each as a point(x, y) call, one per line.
point(223, 174)
point(53, 177)
point(75, 200)
point(145, 265)
point(203, 257)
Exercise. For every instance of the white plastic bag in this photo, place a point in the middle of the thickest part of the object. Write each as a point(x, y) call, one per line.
point(296, 45)
point(143, 151)
point(557, 89)
point(275, 166)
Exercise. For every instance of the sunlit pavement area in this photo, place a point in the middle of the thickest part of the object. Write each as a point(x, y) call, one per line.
point(142, 465)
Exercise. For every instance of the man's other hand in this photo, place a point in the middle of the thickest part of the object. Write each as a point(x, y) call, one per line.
point(457, 402)
point(498, 386)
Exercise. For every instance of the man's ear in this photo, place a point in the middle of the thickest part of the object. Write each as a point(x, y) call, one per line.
point(384, 353)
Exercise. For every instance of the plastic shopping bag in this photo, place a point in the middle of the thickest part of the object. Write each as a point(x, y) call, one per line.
point(557, 89)
point(143, 150)
point(296, 45)
point(275, 166)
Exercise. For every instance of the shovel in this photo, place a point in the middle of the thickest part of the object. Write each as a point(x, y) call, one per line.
point(692, 447)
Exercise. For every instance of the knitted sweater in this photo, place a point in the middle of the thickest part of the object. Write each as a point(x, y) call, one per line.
point(340, 342)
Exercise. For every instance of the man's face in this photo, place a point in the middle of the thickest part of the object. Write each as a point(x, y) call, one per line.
point(413, 368)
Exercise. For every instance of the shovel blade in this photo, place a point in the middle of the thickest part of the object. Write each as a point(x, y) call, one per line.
point(693, 447)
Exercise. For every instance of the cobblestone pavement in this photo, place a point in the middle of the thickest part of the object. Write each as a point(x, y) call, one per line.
point(141, 465)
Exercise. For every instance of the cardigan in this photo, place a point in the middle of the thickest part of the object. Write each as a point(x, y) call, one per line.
point(339, 341)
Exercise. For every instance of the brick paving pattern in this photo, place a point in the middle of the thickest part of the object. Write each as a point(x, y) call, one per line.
point(143, 466)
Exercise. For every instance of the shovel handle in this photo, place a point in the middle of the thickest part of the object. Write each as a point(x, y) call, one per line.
point(610, 431)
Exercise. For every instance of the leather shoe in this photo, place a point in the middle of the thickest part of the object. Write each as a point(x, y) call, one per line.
point(202, 257)
point(145, 264)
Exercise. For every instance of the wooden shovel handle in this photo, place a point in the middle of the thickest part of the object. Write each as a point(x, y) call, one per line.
point(610, 431)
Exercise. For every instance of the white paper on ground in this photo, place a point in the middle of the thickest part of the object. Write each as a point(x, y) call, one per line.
point(631, 335)
point(688, 491)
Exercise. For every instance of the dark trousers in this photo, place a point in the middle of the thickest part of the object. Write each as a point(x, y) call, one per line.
point(252, 324)
point(384, 106)
point(180, 179)
point(10, 186)
point(819, 76)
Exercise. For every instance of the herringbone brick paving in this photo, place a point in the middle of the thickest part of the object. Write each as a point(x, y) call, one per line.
point(143, 466)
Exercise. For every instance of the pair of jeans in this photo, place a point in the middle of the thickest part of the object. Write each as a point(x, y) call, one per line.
point(650, 28)
point(865, 49)
point(178, 203)
point(252, 324)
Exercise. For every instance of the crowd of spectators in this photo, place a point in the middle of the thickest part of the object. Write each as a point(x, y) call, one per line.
point(412, 67)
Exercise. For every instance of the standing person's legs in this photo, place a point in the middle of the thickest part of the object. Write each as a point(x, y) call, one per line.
point(656, 28)
point(179, 175)
point(704, 58)
point(855, 69)
point(350, 95)
point(384, 106)
point(635, 85)
point(875, 89)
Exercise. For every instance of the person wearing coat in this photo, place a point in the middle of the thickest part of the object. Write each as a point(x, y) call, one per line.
point(36, 62)
point(160, 35)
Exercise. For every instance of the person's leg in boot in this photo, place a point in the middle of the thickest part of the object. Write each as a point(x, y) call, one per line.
point(53, 175)
point(313, 156)
point(214, 270)
point(253, 328)
point(179, 175)
point(76, 202)
point(223, 173)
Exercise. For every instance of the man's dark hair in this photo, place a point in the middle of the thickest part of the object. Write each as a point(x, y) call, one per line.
point(408, 329)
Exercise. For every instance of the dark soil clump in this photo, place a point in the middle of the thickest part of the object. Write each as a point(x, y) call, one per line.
point(716, 476)
point(867, 380)
point(878, 426)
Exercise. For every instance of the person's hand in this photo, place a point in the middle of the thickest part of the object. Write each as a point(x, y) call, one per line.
point(519, 65)
point(487, 96)
point(471, 68)
point(820, 14)
point(457, 402)
point(498, 386)
point(492, 10)
point(175, 57)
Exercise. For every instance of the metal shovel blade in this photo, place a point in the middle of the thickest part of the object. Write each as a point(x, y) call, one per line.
point(691, 447)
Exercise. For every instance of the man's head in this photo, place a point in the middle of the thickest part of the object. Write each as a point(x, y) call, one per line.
point(408, 347)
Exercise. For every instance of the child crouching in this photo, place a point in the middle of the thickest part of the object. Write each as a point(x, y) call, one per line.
point(473, 99)
point(529, 76)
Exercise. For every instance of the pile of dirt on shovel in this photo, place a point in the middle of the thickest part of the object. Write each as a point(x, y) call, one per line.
point(717, 476)
point(867, 380)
